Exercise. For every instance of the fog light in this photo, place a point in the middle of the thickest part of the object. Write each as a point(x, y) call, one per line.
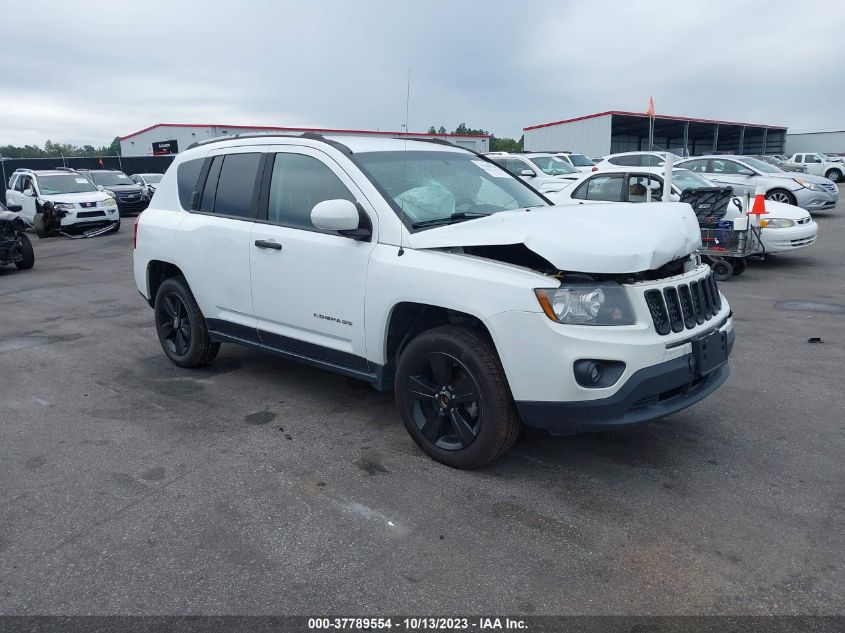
point(597, 373)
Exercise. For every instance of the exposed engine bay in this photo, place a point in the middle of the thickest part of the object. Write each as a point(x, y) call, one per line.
point(15, 247)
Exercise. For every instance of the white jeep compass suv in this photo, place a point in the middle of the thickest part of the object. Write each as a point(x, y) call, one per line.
point(426, 269)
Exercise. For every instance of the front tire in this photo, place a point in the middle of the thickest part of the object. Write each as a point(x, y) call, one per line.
point(454, 399)
point(180, 325)
point(39, 223)
point(834, 174)
point(28, 260)
point(116, 226)
point(781, 195)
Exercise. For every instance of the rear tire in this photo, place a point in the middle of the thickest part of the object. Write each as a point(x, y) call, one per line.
point(454, 399)
point(180, 325)
point(834, 174)
point(781, 195)
point(28, 260)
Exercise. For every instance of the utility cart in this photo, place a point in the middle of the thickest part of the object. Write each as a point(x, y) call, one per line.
point(725, 244)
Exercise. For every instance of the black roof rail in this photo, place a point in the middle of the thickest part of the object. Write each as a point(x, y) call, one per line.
point(309, 135)
point(64, 169)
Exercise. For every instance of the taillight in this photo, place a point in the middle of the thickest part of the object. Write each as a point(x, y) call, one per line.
point(135, 233)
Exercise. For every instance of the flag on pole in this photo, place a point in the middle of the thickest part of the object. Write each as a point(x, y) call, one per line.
point(650, 110)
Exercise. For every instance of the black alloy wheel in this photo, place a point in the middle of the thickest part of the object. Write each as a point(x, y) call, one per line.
point(453, 397)
point(447, 407)
point(180, 325)
point(174, 322)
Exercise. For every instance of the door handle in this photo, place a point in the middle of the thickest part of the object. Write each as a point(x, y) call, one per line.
point(268, 244)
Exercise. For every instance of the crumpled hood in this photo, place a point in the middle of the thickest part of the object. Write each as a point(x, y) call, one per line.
point(609, 238)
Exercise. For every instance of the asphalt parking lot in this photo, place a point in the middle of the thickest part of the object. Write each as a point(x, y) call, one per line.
point(261, 486)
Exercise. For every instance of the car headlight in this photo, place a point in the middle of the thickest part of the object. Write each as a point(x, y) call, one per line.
point(109, 202)
point(587, 304)
point(776, 223)
point(108, 192)
point(64, 206)
point(809, 185)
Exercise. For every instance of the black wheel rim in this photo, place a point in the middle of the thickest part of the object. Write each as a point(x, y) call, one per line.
point(174, 324)
point(445, 401)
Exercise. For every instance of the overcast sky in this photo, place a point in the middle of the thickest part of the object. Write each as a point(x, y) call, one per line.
point(84, 72)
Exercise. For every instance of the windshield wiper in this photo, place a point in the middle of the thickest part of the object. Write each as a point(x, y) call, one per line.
point(454, 217)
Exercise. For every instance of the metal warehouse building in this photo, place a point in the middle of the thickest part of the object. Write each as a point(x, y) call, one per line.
point(832, 142)
point(171, 138)
point(614, 131)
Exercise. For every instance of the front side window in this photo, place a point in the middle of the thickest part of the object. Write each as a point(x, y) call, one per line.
point(606, 187)
point(812, 158)
point(699, 166)
point(428, 188)
point(516, 166)
point(152, 179)
point(235, 184)
point(298, 183)
point(64, 183)
point(19, 183)
point(639, 186)
point(719, 166)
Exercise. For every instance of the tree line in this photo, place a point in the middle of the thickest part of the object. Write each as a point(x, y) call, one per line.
point(497, 144)
point(56, 150)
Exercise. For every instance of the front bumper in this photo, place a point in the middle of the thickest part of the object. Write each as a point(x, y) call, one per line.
point(789, 239)
point(90, 217)
point(650, 393)
point(816, 200)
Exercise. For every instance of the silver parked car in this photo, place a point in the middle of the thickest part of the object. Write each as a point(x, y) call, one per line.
point(745, 173)
point(781, 164)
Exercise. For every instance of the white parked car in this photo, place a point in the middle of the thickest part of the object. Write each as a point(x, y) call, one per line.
point(72, 193)
point(148, 182)
point(578, 161)
point(820, 165)
point(635, 159)
point(428, 270)
point(787, 228)
point(547, 173)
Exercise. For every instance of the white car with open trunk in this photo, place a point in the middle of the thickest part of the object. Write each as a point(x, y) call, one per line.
point(426, 269)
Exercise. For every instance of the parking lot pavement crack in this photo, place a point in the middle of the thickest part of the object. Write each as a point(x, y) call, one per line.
point(114, 515)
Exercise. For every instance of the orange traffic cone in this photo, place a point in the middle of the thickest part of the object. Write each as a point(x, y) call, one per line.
point(759, 207)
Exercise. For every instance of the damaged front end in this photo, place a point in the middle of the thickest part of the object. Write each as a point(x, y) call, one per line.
point(49, 216)
point(14, 244)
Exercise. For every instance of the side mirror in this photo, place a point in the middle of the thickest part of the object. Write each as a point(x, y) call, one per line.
point(747, 172)
point(674, 197)
point(14, 208)
point(341, 216)
point(100, 188)
point(29, 193)
point(527, 173)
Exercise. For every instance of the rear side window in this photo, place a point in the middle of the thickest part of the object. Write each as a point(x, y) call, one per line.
point(187, 175)
point(298, 183)
point(626, 161)
point(236, 185)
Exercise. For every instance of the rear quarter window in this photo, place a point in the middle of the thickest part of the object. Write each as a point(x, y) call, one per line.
point(187, 175)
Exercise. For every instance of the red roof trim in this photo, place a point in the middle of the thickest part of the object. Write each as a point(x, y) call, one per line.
point(319, 130)
point(644, 115)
